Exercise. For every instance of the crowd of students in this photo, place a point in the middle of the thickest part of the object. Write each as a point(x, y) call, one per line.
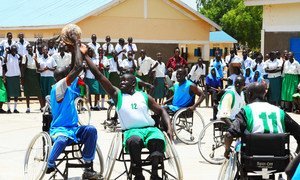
point(31, 67)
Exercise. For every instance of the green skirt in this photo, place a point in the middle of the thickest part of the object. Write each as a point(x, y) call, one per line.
point(13, 86)
point(46, 85)
point(3, 94)
point(289, 86)
point(94, 86)
point(114, 78)
point(159, 88)
point(274, 92)
point(32, 83)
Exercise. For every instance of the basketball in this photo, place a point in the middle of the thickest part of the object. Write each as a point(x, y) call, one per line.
point(68, 32)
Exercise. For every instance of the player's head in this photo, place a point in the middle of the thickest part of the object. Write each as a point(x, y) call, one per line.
point(181, 74)
point(239, 83)
point(255, 91)
point(127, 84)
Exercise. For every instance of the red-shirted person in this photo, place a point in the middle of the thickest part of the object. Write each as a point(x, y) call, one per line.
point(176, 60)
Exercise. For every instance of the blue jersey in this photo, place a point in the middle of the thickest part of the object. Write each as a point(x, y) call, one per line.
point(182, 97)
point(64, 114)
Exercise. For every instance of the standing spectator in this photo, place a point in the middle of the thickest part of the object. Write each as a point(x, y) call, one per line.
point(13, 62)
point(104, 67)
point(115, 68)
point(22, 45)
point(219, 65)
point(130, 46)
point(248, 74)
point(232, 58)
point(62, 58)
point(120, 48)
point(3, 94)
point(273, 69)
point(144, 65)
point(176, 60)
point(108, 48)
point(47, 67)
point(258, 64)
point(129, 63)
point(7, 43)
point(197, 72)
point(291, 71)
point(94, 45)
point(92, 83)
point(247, 61)
point(159, 81)
point(51, 48)
point(30, 77)
point(38, 47)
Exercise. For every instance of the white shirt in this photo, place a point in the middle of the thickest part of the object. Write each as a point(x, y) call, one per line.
point(88, 73)
point(104, 61)
point(30, 61)
point(126, 64)
point(5, 44)
point(52, 51)
point(62, 61)
point(260, 67)
point(235, 59)
point(196, 72)
point(144, 65)
point(119, 48)
point(1, 64)
point(95, 47)
point(160, 69)
point(291, 68)
point(110, 47)
point(130, 48)
point(273, 65)
point(248, 63)
point(173, 77)
point(13, 67)
point(113, 65)
point(49, 62)
point(22, 47)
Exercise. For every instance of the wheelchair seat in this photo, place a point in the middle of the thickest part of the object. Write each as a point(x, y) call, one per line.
point(264, 154)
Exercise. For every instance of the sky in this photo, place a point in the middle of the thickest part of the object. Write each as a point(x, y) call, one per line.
point(191, 3)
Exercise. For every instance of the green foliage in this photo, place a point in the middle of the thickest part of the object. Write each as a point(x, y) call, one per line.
point(241, 22)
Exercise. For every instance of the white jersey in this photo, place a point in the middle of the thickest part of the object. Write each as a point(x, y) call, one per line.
point(133, 110)
point(263, 117)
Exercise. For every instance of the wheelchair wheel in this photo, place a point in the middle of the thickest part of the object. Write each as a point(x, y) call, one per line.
point(211, 142)
point(229, 170)
point(112, 155)
point(83, 110)
point(187, 125)
point(173, 168)
point(36, 157)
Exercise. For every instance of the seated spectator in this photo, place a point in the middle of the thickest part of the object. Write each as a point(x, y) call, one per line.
point(197, 72)
point(257, 77)
point(248, 74)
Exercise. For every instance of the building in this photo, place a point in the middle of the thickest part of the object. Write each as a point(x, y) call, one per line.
point(281, 25)
point(222, 41)
point(155, 25)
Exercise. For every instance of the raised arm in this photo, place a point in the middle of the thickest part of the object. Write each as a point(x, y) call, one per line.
point(108, 87)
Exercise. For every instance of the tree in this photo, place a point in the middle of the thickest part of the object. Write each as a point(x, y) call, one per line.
point(241, 22)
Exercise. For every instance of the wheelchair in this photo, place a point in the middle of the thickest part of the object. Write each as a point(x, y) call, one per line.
point(111, 121)
point(211, 142)
point(261, 156)
point(187, 124)
point(35, 164)
point(170, 170)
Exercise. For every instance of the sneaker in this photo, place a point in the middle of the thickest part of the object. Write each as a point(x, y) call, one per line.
point(28, 111)
point(8, 111)
point(2, 111)
point(50, 170)
point(16, 111)
point(90, 174)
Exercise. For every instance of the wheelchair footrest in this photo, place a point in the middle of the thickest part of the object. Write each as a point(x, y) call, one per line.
point(71, 165)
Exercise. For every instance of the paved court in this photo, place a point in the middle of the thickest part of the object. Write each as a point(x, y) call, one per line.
point(16, 131)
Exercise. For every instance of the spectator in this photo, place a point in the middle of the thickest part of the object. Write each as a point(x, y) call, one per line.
point(30, 77)
point(129, 63)
point(247, 61)
point(257, 77)
point(169, 83)
point(22, 45)
point(94, 45)
point(176, 60)
point(213, 86)
point(232, 59)
point(159, 81)
point(62, 58)
point(3, 94)
point(197, 72)
point(51, 48)
point(38, 48)
point(291, 71)
point(120, 48)
point(248, 74)
point(144, 65)
point(258, 64)
point(13, 62)
point(219, 65)
point(7, 43)
point(273, 69)
point(130, 46)
point(104, 67)
point(115, 68)
point(108, 48)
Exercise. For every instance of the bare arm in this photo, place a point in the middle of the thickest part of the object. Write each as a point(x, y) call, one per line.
point(108, 87)
point(162, 113)
point(199, 93)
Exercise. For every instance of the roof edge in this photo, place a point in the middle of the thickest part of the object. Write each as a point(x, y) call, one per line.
point(59, 26)
point(199, 14)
